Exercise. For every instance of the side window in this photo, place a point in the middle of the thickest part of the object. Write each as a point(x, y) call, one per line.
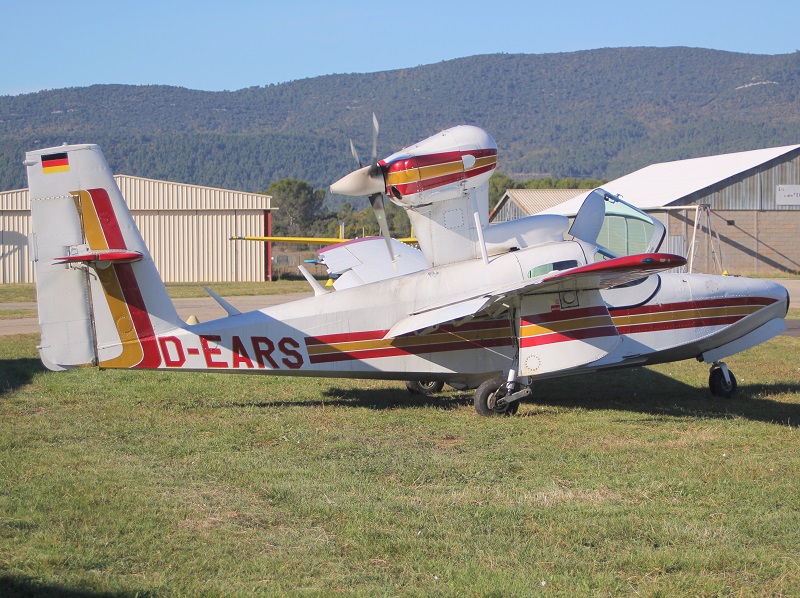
point(554, 267)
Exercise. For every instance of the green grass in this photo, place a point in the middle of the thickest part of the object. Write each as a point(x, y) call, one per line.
point(15, 293)
point(14, 314)
point(630, 482)
point(179, 290)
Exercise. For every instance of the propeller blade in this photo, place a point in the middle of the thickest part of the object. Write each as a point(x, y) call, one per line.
point(375, 129)
point(355, 153)
point(376, 199)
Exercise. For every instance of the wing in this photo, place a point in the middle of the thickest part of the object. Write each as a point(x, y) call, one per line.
point(363, 261)
point(600, 275)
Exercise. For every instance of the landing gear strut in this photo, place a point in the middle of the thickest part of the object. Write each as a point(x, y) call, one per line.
point(494, 397)
point(721, 380)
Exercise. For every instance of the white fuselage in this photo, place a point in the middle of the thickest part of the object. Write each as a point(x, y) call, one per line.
point(665, 317)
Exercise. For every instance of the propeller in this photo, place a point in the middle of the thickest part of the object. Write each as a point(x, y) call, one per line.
point(368, 180)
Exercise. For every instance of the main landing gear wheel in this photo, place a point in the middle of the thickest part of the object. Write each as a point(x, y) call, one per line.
point(424, 387)
point(489, 398)
point(719, 387)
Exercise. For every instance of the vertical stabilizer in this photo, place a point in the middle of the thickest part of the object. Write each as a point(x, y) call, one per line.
point(100, 298)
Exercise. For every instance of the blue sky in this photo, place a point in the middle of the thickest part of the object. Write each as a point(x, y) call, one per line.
point(241, 43)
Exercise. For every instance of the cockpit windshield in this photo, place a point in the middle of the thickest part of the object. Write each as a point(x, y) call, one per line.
point(616, 226)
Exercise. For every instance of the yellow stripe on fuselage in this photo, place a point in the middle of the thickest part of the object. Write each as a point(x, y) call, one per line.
point(564, 325)
point(412, 341)
point(686, 314)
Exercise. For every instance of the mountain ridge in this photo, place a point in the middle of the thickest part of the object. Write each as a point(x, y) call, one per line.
point(594, 113)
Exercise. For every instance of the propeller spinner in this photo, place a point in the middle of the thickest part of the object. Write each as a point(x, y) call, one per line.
point(368, 180)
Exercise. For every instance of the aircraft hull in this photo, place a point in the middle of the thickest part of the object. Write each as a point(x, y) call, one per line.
point(331, 339)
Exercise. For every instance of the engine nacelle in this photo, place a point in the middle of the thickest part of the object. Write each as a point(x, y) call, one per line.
point(441, 167)
point(443, 184)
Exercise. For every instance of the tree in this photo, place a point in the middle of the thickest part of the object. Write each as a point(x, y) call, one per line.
point(498, 184)
point(299, 207)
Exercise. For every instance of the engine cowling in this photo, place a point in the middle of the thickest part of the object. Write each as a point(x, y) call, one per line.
point(440, 167)
point(437, 168)
point(443, 184)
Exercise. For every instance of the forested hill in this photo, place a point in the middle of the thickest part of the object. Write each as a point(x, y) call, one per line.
point(599, 113)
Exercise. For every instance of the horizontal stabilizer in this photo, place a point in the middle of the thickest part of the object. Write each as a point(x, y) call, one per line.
point(108, 256)
point(363, 261)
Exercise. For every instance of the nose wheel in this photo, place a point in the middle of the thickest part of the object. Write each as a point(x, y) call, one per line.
point(494, 398)
point(721, 381)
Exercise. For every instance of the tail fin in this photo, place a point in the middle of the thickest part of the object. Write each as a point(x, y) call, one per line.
point(101, 300)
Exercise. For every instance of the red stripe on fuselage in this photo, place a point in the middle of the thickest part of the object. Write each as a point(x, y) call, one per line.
point(567, 314)
point(371, 335)
point(689, 305)
point(456, 345)
point(679, 324)
point(571, 335)
point(500, 328)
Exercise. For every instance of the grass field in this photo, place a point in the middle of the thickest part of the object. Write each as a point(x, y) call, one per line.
point(12, 293)
point(631, 482)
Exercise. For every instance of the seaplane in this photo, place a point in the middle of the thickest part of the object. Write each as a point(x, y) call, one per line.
point(493, 308)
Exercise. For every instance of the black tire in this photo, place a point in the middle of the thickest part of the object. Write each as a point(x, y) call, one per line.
point(424, 387)
point(486, 398)
point(718, 386)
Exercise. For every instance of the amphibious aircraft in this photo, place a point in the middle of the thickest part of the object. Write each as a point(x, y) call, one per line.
point(476, 306)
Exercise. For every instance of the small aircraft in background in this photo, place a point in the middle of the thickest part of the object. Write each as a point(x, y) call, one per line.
point(476, 306)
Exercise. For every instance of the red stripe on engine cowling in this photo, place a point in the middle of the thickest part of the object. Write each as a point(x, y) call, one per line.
point(423, 161)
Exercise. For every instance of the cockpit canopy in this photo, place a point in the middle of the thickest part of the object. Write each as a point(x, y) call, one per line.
point(616, 226)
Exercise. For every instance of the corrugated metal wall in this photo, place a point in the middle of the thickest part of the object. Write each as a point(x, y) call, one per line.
point(756, 191)
point(15, 223)
point(186, 228)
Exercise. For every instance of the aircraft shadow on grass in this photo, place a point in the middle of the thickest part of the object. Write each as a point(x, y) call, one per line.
point(637, 390)
point(13, 587)
point(646, 391)
point(632, 391)
point(15, 373)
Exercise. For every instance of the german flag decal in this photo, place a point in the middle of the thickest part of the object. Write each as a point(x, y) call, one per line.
point(55, 163)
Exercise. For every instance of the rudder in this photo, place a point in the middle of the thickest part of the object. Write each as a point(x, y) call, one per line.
point(101, 300)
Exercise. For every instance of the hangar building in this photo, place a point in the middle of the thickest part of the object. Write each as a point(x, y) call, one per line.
point(738, 212)
point(518, 203)
point(186, 228)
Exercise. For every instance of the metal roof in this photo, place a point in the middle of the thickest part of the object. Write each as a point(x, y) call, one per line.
point(671, 183)
point(150, 194)
point(533, 201)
